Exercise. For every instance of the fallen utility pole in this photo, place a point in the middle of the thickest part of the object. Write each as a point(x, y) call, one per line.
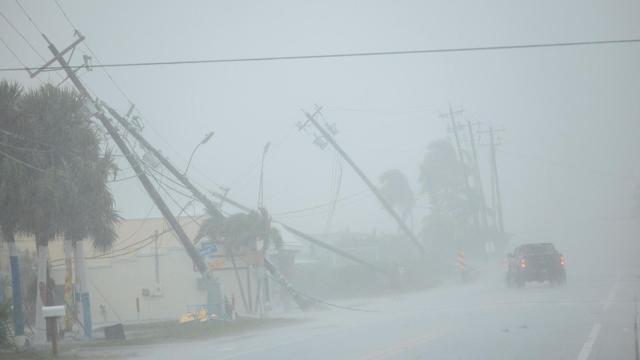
point(366, 180)
point(131, 158)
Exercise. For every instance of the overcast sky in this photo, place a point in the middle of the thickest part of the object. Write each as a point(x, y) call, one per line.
point(570, 149)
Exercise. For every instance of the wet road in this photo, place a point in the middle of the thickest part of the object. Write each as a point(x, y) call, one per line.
point(591, 318)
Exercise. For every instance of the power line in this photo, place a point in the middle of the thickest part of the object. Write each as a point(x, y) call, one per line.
point(144, 221)
point(13, 53)
point(122, 92)
point(344, 55)
point(23, 38)
point(64, 13)
point(113, 253)
point(22, 148)
point(31, 166)
point(124, 178)
point(181, 192)
point(330, 203)
point(29, 17)
point(113, 81)
point(175, 202)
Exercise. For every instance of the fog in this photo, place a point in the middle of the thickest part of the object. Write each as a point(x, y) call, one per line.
point(568, 159)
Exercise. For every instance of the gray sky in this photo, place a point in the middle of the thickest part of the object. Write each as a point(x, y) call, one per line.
point(570, 152)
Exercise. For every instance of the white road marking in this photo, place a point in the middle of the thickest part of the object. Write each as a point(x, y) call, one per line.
point(397, 348)
point(595, 330)
point(612, 293)
point(588, 345)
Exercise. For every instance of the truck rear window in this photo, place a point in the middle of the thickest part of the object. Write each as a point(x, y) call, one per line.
point(537, 249)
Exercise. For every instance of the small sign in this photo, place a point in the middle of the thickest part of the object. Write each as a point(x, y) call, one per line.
point(208, 249)
point(217, 263)
point(489, 247)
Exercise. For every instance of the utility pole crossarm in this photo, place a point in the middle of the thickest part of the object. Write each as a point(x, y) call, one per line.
point(366, 180)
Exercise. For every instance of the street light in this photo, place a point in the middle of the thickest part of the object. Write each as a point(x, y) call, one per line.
point(261, 187)
point(207, 137)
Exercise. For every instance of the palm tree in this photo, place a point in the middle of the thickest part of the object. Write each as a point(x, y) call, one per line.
point(89, 212)
point(248, 233)
point(12, 174)
point(452, 203)
point(70, 195)
point(397, 191)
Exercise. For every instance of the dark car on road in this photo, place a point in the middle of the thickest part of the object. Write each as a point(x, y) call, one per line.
point(535, 262)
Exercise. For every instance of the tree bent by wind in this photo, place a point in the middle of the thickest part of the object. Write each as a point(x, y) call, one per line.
point(60, 171)
point(249, 234)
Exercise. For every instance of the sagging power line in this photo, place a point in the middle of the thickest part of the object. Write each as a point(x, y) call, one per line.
point(341, 55)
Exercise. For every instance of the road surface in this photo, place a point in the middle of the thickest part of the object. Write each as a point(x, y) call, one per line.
point(591, 318)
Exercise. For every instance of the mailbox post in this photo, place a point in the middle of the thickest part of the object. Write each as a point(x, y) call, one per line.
point(51, 314)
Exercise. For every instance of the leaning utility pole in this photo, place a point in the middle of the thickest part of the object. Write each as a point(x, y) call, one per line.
point(129, 155)
point(328, 137)
point(209, 205)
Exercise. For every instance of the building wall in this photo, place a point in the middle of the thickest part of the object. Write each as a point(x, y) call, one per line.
point(118, 276)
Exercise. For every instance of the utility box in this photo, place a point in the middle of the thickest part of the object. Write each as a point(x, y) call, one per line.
point(53, 311)
point(114, 332)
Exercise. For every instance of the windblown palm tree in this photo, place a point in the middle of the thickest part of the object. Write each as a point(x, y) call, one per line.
point(89, 213)
point(397, 191)
point(69, 196)
point(12, 175)
point(242, 233)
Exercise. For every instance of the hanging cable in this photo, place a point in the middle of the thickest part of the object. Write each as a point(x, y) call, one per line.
point(31, 166)
point(355, 54)
point(23, 38)
point(24, 11)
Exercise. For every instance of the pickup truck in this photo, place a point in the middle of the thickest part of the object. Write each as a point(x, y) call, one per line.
point(535, 262)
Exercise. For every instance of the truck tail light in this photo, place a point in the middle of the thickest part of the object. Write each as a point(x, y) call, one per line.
point(561, 260)
point(523, 263)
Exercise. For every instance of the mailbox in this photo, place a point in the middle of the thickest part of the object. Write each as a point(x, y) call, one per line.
point(53, 311)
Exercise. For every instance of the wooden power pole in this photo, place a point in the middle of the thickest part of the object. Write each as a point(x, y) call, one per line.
point(496, 181)
point(385, 204)
point(129, 155)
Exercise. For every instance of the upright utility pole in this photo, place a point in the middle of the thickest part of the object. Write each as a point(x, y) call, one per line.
point(261, 185)
point(454, 128)
point(155, 255)
point(328, 137)
point(131, 158)
point(496, 181)
point(477, 176)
